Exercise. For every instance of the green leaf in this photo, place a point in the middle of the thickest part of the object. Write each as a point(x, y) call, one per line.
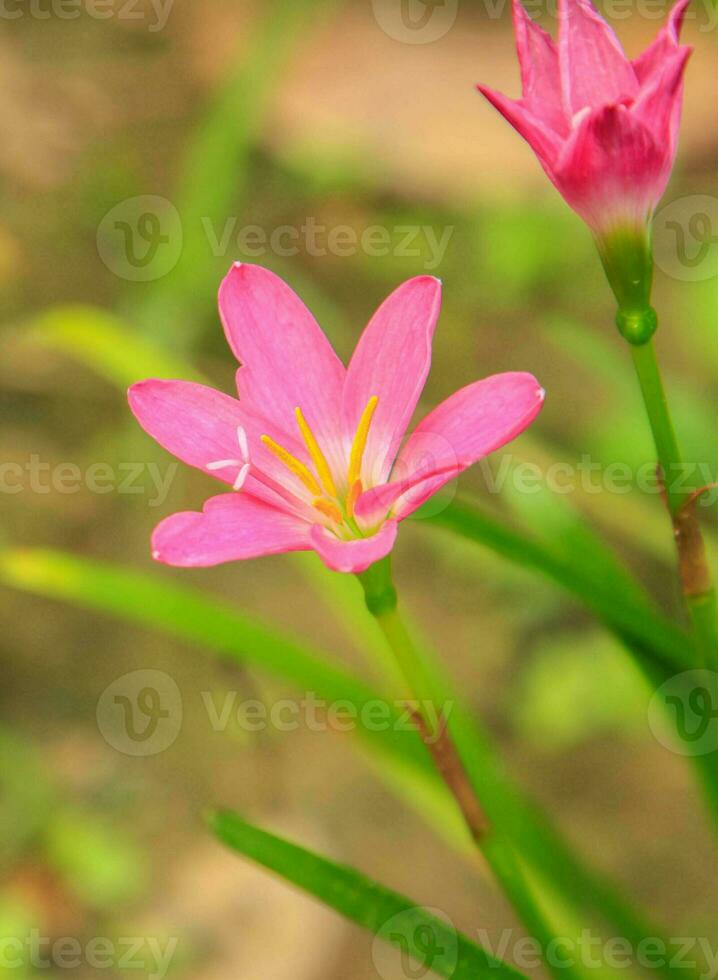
point(562, 529)
point(105, 343)
point(432, 942)
point(661, 649)
point(623, 612)
point(148, 600)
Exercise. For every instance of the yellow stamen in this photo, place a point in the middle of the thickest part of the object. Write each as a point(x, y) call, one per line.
point(295, 465)
point(359, 444)
point(318, 457)
point(355, 491)
point(328, 508)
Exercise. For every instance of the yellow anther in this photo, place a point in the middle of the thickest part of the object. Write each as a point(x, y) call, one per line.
point(328, 508)
point(359, 444)
point(318, 457)
point(293, 464)
point(355, 491)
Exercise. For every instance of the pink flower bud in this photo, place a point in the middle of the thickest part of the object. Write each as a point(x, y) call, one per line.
point(604, 128)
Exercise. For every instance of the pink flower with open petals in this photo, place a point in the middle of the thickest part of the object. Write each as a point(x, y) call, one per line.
point(604, 128)
point(312, 450)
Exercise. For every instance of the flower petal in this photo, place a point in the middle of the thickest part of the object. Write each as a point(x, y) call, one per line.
point(391, 361)
point(655, 55)
point(660, 101)
point(287, 361)
point(470, 424)
point(594, 69)
point(374, 505)
point(199, 425)
point(540, 73)
point(544, 141)
point(612, 171)
point(355, 555)
point(229, 528)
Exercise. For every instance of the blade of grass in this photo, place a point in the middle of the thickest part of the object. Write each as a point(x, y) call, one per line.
point(177, 610)
point(566, 533)
point(432, 942)
point(660, 647)
point(624, 613)
point(106, 343)
point(511, 820)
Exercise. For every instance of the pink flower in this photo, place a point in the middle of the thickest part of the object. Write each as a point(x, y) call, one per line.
point(604, 128)
point(311, 449)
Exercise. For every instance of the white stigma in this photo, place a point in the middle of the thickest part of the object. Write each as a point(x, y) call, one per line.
point(243, 462)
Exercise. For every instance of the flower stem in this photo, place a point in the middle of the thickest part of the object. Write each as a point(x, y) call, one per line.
point(698, 590)
point(435, 729)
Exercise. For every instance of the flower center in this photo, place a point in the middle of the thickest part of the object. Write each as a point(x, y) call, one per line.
point(320, 483)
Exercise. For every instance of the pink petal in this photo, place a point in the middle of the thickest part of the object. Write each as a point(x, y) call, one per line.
point(287, 361)
point(391, 361)
point(199, 425)
point(473, 422)
point(355, 555)
point(540, 73)
point(654, 57)
point(659, 103)
point(375, 505)
point(543, 140)
point(612, 171)
point(594, 69)
point(230, 527)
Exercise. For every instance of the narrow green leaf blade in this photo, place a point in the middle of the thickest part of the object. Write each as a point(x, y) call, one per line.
point(152, 601)
point(106, 344)
point(624, 613)
point(430, 941)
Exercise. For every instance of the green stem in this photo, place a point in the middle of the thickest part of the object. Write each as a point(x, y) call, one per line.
point(698, 590)
point(422, 689)
point(659, 417)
